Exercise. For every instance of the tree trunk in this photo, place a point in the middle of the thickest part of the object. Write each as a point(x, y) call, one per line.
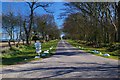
point(118, 9)
point(27, 39)
point(9, 44)
point(23, 42)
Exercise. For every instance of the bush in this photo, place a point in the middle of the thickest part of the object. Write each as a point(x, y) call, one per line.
point(105, 45)
point(81, 42)
point(35, 38)
point(4, 51)
point(13, 49)
point(21, 46)
point(115, 53)
point(114, 47)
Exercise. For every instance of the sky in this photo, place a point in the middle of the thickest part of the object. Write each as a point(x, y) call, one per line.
point(23, 8)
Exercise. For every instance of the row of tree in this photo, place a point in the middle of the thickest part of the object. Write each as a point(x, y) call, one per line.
point(92, 21)
point(33, 26)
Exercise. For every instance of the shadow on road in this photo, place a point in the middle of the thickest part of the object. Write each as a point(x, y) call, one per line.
point(70, 53)
point(67, 50)
point(62, 48)
point(106, 69)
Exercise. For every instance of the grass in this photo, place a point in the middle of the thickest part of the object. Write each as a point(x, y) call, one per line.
point(18, 55)
point(88, 49)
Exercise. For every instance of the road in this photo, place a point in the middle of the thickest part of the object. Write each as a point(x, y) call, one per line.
point(68, 62)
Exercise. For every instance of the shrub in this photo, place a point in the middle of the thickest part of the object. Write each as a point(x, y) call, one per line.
point(21, 46)
point(13, 49)
point(4, 51)
point(105, 45)
point(114, 47)
point(81, 42)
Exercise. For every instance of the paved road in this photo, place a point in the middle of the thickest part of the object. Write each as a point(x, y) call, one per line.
point(68, 62)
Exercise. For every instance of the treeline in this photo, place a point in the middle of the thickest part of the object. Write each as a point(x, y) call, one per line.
point(93, 21)
point(31, 27)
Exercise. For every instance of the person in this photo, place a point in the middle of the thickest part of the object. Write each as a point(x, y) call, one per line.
point(38, 47)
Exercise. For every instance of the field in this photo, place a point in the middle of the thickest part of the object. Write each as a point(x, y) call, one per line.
point(23, 53)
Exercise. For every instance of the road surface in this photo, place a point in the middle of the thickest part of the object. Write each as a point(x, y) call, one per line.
point(68, 62)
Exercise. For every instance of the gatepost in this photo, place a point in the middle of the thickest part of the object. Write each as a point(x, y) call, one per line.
point(38, 47)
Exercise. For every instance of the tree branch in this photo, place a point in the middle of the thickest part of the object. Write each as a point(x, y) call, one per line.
point(43, 6)
point(29, 4)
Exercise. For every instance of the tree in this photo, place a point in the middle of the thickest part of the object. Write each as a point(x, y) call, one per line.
point(20, 24)
point(118, 10)
point(9, 22)
point(32, 5)
point(45, 25)
point(93, 21)
point(35, 37)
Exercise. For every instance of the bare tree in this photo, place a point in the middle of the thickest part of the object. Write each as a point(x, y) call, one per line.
point(9, 22)
point(32, 5)
point(20, 28)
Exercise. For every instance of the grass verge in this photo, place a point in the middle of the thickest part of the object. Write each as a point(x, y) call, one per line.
point(88, 49)
point(17, 55)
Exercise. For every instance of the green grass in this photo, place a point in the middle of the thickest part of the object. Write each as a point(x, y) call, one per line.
point(89, 49)
point(18, 55)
